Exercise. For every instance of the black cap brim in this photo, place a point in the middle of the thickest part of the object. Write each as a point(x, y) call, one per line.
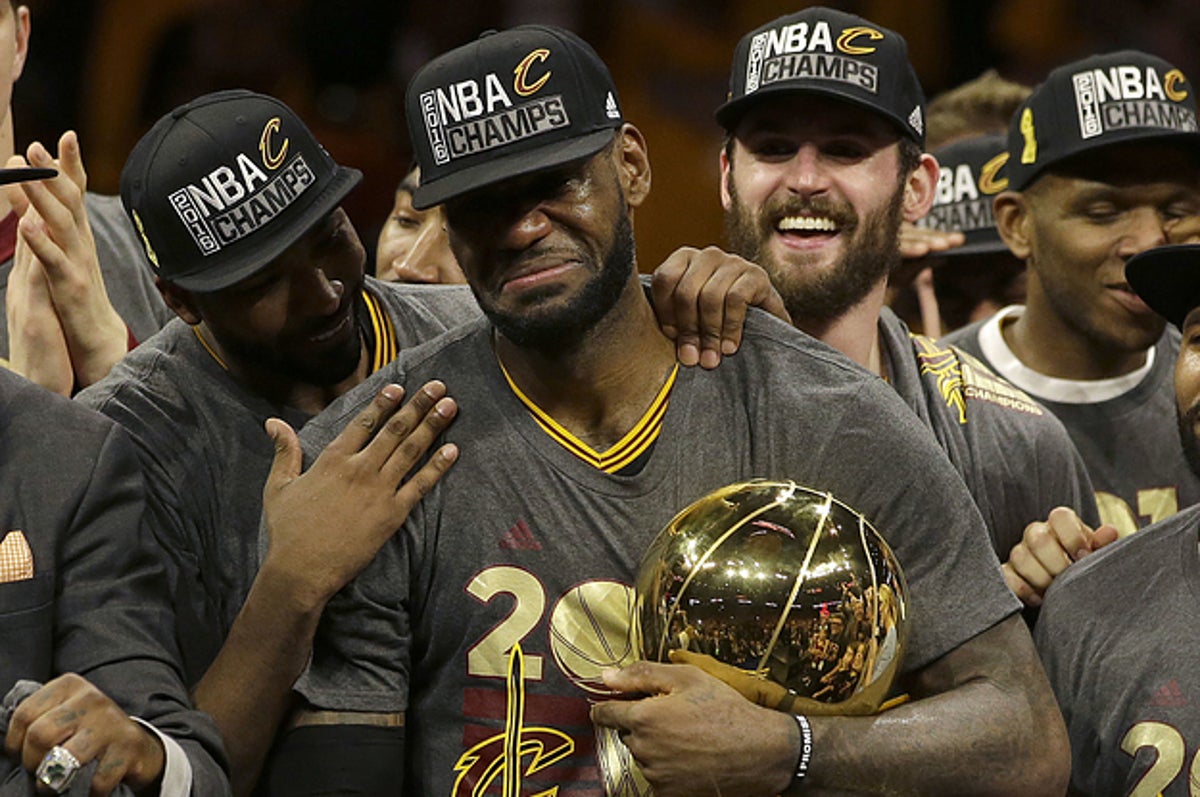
point(1168, 279)
point(1020, 180)
point(24, 174)
point(491, 172)
point(252, 261)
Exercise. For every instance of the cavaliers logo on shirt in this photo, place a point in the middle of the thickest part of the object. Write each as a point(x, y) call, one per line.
point(960, 377)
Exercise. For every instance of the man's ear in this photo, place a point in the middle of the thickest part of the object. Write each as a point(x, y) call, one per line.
point(180, 300)
point(919, 188)
point(1013, 222)
point(21, 26)
point(726, 177)
point(633, 163)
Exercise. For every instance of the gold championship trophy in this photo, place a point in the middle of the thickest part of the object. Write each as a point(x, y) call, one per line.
point(783, 592)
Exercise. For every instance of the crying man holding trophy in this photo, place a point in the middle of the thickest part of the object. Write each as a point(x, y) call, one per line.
point(479, 658)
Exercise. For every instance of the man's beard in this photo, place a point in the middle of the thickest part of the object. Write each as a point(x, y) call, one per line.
point(872, 252)
point(564, 326)
point(323, 369)
point(1187, 436)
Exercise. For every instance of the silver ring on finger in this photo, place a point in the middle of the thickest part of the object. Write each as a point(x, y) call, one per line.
point(58, 769)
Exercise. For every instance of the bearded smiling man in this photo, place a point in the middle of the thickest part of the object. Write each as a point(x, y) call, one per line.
point(823, 258)
point(816, 177)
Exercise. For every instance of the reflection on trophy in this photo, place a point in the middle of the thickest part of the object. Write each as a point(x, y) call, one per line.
point(784, 592)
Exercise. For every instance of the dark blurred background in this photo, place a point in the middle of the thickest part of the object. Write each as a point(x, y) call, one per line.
point(110, 68)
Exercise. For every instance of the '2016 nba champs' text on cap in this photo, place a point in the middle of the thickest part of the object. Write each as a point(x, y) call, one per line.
point(823, 51)
point(1101, 100)
point(222, 185)
point(971, 171)
point(507, 104)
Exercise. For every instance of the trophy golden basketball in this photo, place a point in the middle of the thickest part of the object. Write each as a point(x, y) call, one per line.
point(782, 591)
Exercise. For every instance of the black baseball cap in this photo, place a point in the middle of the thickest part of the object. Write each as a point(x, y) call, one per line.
point(971, 173)
point(507, 104)
point(1101, 100)
point(824, 51)
point(222, 185)
point(1168, 279)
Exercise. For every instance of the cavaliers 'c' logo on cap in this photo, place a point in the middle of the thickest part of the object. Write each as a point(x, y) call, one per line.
point(988, 182)
point(1171, 83)
point(272, 160)
point(845, 41)
point(521, 83)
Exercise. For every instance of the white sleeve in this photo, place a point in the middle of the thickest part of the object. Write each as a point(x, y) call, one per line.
point(177, 770)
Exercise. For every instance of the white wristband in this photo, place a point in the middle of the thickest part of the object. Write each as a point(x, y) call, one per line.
point(806, 746)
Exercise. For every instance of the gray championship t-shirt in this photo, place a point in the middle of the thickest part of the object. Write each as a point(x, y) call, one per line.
point(1118, 636)
point(1128, 441)
point(1015, 456)
point(200, 436)
point(127, 277)
point(524, 544)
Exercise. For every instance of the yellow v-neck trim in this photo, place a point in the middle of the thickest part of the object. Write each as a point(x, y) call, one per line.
point(211, 351)
point(635, 442)
point(382, 346)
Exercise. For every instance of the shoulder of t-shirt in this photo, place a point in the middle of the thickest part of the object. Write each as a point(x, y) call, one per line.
point(1091, 580)
point(437, 358)
point(150, 371)
point(965, 338)
point(1168, 344)
point(765, 333)
point(446, 305)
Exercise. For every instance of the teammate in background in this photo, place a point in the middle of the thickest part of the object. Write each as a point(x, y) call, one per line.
point(74, 298)
point(580, 439)
point(1100, 156)
point(970, 282)
point(412, 244)
point(817, 176)
point(1127, 684)
point(276, 319)
point(979, 107)
point(84, 609)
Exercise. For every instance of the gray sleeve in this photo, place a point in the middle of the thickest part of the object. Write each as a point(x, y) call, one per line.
point(171, 517)
point(361, 649)
point(1025, 470)
point(1062, 649)
point(925, 512)
point(113, 622)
